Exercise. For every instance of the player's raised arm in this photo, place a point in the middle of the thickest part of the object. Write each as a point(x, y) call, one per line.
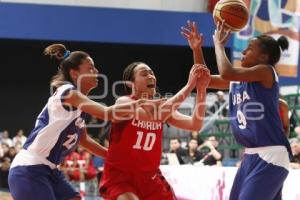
point(195, 41)
point(194, 122)
point(168, 107)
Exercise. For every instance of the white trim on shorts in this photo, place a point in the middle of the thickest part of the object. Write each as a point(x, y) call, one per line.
point(277, 155)
point(26, 158)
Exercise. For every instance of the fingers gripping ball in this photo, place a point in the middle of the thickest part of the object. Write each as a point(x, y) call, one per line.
point(234, 13)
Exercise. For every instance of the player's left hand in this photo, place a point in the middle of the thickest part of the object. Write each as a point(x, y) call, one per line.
point(190, 32)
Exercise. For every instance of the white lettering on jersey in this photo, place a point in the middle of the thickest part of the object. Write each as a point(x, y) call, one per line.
point(80, 123)
point(71, 141)
point(240, 98)
point(241, 119)
point(149, 141)
point(147, 124)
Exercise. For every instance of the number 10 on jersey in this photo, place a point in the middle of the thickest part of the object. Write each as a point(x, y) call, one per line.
point(149, 141)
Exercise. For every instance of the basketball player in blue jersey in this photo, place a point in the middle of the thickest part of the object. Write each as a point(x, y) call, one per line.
point(60, 127)
point(254, 113)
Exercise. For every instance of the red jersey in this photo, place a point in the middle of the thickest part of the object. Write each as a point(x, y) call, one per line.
point(135, 145)
point(281, 114)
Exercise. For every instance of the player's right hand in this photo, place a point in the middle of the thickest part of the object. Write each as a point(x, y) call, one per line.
point(204, 78)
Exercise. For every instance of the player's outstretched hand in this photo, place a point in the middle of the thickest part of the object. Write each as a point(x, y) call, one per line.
point(190, 32)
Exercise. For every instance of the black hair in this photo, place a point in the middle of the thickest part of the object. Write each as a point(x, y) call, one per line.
point(128, 74)
point(175, 138)
point(273, 47)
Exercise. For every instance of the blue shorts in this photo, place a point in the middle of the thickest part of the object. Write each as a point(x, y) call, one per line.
point(38, 182)
point(257, 179)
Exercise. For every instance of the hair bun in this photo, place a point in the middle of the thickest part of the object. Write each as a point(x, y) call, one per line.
point(283, 43)
point(59, 51)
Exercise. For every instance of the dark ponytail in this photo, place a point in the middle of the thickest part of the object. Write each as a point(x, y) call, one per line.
point(283, 43)
point(68, 60)
point(56, 50)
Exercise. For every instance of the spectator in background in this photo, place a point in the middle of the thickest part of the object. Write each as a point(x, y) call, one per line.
point(209, 151)
point(98, 161)
point(72, 167)
point(295, 146)
point(79, 166)
point(4, 169)
point(11, 153)
point(89, 169)
point(6, 139)
point(3, 150)
point(218, 104)
point(195, 135)
point(18, 147)
point(19, 138)
point(175, 147)
point(192, 154)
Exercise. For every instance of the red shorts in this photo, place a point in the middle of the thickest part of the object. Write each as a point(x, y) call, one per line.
point(146, 185)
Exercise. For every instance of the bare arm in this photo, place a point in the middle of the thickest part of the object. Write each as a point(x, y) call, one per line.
point(171, 105)
point(190, 123)
point(141, 113)
point(194, 122)
point(214, 152)
point(163, 111)
point(258, 73)
point(92, 146)
point(195, 40)
point(82, 102)
point(216, 82)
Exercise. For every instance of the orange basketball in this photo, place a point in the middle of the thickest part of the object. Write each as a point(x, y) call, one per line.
point(233, 12)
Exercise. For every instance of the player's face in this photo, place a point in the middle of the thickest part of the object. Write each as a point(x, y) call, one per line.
point(193, 144)
point(174, 144)
point(252, 54)
point(144, 82)
point(87, 74)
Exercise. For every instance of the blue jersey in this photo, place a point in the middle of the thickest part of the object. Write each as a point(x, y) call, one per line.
point(56, 132)
point(254, 114)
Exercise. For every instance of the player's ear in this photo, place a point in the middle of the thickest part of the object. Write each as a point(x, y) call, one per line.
point(129, 84)
point(263, 58)
point(74, 74)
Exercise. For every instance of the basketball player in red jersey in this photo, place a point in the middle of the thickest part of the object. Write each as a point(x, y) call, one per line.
point(131, 170)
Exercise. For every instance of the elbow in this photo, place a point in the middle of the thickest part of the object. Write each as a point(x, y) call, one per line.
point(219, 157)
point(226, 76)
point(196, 127)
point(108, 111)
